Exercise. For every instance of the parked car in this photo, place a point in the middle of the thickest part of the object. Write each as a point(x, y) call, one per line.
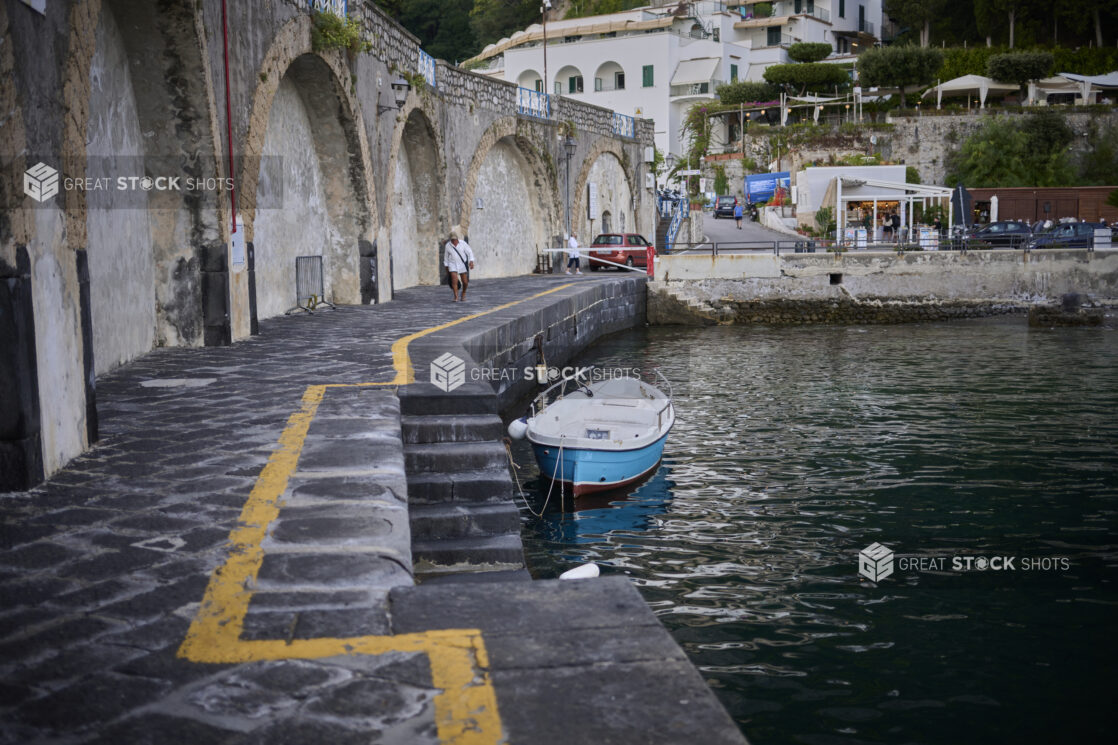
point(1001, 234)
point(630, 249)
point(724, 207)
point(1067, 235)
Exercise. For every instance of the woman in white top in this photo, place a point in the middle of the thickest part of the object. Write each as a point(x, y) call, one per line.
point(459, 260)
point(572, 254)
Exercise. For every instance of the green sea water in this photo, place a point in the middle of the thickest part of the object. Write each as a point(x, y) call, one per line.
point(984, 443)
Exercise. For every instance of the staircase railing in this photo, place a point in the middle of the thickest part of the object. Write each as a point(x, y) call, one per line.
point(682, 207)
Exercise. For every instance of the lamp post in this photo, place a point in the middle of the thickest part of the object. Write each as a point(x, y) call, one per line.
point(569, 146)
point(400, 89)
point(546, 6)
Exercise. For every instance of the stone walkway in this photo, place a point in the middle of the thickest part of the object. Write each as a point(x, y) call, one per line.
point(190, 579)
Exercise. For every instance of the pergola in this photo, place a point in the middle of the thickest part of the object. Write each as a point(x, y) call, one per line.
point(842, 191)
point(969, 85)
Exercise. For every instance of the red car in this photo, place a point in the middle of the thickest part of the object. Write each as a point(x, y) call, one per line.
point(629, 249)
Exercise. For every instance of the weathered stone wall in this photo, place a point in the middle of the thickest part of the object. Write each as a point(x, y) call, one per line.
point(872, 287)
point(367, 185)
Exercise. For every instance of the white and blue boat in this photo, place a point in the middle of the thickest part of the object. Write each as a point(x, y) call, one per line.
point(598, 436)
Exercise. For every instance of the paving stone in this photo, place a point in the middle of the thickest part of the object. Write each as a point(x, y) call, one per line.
point(358, 487)
point(337, 571)
point(332, 525)
point(162, 729)
point(97, 698)
point(37, 555)
point(158, 602)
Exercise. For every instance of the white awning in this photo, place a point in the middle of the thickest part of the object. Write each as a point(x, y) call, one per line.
point(1110, 80)
point(695, 71)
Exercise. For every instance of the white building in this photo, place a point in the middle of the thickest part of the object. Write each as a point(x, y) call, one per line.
point(656, 61)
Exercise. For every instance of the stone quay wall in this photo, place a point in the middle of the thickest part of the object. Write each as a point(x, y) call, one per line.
point(873, 287)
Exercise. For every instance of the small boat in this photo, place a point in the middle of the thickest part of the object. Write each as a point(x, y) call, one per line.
point(600, 435)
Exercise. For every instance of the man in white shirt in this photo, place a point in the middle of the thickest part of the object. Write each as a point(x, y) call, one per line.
point(459, 260)
point(572, 254)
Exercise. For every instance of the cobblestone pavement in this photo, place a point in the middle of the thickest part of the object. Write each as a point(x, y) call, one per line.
point(104, 567)
point(230, 564)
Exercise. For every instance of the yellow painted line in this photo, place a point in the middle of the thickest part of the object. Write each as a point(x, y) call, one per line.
point(465, 709)
point(401, 360)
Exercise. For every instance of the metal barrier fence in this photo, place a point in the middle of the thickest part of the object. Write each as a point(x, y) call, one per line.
point(427, 68)
point(533, 103)
point(310, 288)
point(624, 125)
point(821, 245)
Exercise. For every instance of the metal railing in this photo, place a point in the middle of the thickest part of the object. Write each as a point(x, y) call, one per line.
point(533, 103)
point(942, 242)
point(427, 68)
point(624, 126)
point(695, 89)
point(682, 207)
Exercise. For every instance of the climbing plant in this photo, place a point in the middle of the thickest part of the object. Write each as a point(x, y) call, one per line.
point(331, 31)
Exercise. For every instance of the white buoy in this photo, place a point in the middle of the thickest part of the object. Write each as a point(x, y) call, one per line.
point(518, 428)
point(583, 571)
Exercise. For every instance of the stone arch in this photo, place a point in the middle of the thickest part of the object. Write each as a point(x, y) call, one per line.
point(413, 214)
point(610, 148)
point(534, 213)
point(334, 199)
point(571, 71)
point(529, 78)
point(607, 73)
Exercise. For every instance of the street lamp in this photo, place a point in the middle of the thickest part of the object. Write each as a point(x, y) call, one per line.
point(400, 89)
point(546, 6)
point(569, 146)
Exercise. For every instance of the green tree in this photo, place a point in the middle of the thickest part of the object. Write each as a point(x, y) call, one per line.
point(809, 52)
point(918, 14)
point(1019, 67)
point(747, 92)
point(1030, 151)
point(493, 20)
point(721, 183)
point(899, 66)
point(1100, 161)
point(812, 76)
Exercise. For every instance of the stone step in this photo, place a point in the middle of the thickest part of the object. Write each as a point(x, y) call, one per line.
point(467, 486)
point(460, 520)
point(452, 457)
point(423, 399)
point(456, 428)
point(498, 575)
point(488, 553)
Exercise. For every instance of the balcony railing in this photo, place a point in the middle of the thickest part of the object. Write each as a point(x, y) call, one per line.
point(706, 88)
point(533, 103)
point(624, 126)
point(866, 27)
point(427, 68)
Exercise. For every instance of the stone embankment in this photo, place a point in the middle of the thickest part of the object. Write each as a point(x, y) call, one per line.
point(873, 287)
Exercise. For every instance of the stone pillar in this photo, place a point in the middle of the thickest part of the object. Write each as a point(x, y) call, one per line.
point(21, 450)
point(85, 307)
point(253, 318)
point(368, 271)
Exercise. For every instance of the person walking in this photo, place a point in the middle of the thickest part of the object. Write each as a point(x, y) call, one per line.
point(738, 213)
point(572, 254)
point(459, 260)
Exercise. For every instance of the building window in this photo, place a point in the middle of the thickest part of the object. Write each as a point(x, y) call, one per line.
point(773, 36)
point(597, 84)
point(648, 79)
point(539, 86)
point(558, 87)
point(619, 81)
point(574, 84)
point(842, 8)
point(733, 73)
point(861, 17)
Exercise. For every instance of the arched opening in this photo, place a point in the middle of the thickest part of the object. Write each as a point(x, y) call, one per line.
point(610, 76)
point(615, 197)
point(509, 221)
point(413, 213)
point(569, 81)
point(310, 194)
point(531, 80)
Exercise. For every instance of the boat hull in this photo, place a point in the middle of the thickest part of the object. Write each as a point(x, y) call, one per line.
point(588, 470)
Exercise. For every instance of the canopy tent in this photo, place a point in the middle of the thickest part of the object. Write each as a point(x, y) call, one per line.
point(841, 191)
point(969, 85)
point(1091, 83)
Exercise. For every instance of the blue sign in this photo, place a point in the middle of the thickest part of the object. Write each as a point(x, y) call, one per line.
point(760, 187)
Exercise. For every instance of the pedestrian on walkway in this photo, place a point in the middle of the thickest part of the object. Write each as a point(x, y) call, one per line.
point(572, 254)
point(738, 213)
point(459, 260)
